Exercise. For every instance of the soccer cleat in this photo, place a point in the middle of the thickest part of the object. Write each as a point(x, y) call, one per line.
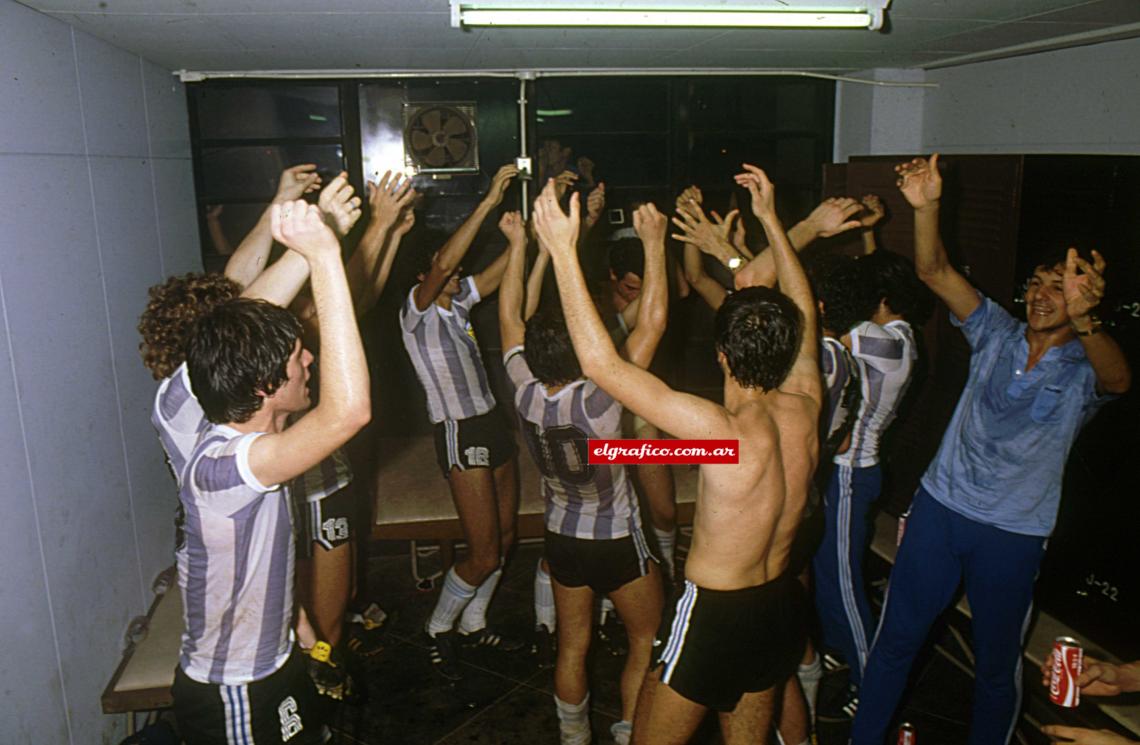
point(372, 617)
point(612, 634)
point(832, 664)
point(543, 648)
point(484, 637)
point(841, 708)
point(444, 656)
point(364, 643)
point(328, 672)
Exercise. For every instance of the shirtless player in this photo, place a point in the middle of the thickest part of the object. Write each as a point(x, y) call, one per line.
point(737, 630)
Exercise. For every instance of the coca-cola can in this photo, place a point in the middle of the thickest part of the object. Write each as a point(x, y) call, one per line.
point(906, 734)
point(1066, 668)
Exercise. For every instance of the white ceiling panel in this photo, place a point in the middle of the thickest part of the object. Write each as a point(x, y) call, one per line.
point(214, 35)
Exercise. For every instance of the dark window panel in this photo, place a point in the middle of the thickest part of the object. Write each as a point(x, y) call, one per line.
point(251, 172)
point(267, 112)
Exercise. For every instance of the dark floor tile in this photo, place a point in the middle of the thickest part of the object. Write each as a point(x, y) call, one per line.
point(943, 690)
point(407, 702)
point(526, 717)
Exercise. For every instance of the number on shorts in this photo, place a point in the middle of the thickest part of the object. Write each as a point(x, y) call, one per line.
point(290, 719)
point(335, 529)
point(478, 457)
point(561, 452)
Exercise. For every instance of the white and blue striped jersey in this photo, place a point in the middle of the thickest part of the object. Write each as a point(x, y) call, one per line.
point(235, 565)
point(441, 344)
point(885, 357)
point(592, 502)
point(836, 363)
point(178, 418)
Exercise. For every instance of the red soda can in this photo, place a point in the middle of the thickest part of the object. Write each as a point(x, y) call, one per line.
point(1066, 668)
point(906, 734)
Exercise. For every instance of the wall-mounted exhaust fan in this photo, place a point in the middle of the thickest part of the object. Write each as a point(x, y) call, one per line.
point(441, 137)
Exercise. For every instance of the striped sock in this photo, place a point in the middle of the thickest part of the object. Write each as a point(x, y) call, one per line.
point(543, 599)
point(453, 598)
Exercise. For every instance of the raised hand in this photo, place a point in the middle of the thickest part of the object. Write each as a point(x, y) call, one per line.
point(714, 239)
point(388, 197)
point(564, 181)
point(586, 168)
point(834, 216)
point(512, 226)
point(873, 211)
point(761, 190)
point(405, 223)
point(1082, 284)
point(650, 226)
point(920, 182)
point(690, 194)
point(1082, 736)
point(557, 232)
point(339, 205)
point(595, 203)
point(499, 184)
point(300, 226)
point(297, 181)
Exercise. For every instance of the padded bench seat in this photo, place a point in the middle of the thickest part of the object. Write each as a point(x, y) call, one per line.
point(144, 676)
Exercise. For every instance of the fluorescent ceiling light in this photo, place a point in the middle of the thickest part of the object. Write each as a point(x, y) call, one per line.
point(867, 15)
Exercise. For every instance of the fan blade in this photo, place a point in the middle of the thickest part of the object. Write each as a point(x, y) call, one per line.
point(421, 141)
point(457, 149)
point(436, 157)
point(431, 119)
point(454, 125)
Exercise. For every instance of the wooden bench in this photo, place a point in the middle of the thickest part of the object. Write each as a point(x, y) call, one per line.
point(1039, 642)
point(143, 678)
point(412, 501)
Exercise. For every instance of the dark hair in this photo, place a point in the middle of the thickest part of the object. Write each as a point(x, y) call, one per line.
point(171, 310)
point(548, 351)
point(238, 351)
point(758, 331)
point(1049, 259)
point(897, 283)
point(627, 257)
point(842, 285)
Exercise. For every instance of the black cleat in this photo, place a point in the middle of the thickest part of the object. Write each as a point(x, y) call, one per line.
point(543, 648)
point(486, 638)
point(444, 655)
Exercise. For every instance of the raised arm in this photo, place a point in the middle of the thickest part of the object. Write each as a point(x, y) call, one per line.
point(283, 280)
point(921, 184)
point(804, 377)
point(344, 406)
point(447, 259)
point(249, 258)
point(873, 212)
point(383, 268)
point(511, 326)
point(653, 302)
point(534, 283)
point(386, 201)
point(831, 217)
point(1083, 285)
point(638, 390)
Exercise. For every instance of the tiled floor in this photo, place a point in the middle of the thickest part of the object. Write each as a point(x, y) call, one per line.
point(505, 700)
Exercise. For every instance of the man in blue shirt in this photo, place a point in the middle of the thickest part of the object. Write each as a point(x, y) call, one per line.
point(988, 501)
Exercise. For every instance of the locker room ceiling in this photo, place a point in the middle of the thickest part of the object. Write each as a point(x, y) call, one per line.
point(215, 35)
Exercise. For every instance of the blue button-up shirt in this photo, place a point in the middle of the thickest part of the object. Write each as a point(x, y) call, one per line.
point(1002, 457)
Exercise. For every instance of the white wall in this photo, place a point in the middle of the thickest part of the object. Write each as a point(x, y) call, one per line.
point(96, 204)
point(1081, 100)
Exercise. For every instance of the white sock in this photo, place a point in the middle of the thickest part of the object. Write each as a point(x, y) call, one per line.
point(607, 608)
point(810, 675)
point(621, 732)
point(454, 597)
point(573, 721)
point(543, 599)
point(667, 542)
point(475, 614)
